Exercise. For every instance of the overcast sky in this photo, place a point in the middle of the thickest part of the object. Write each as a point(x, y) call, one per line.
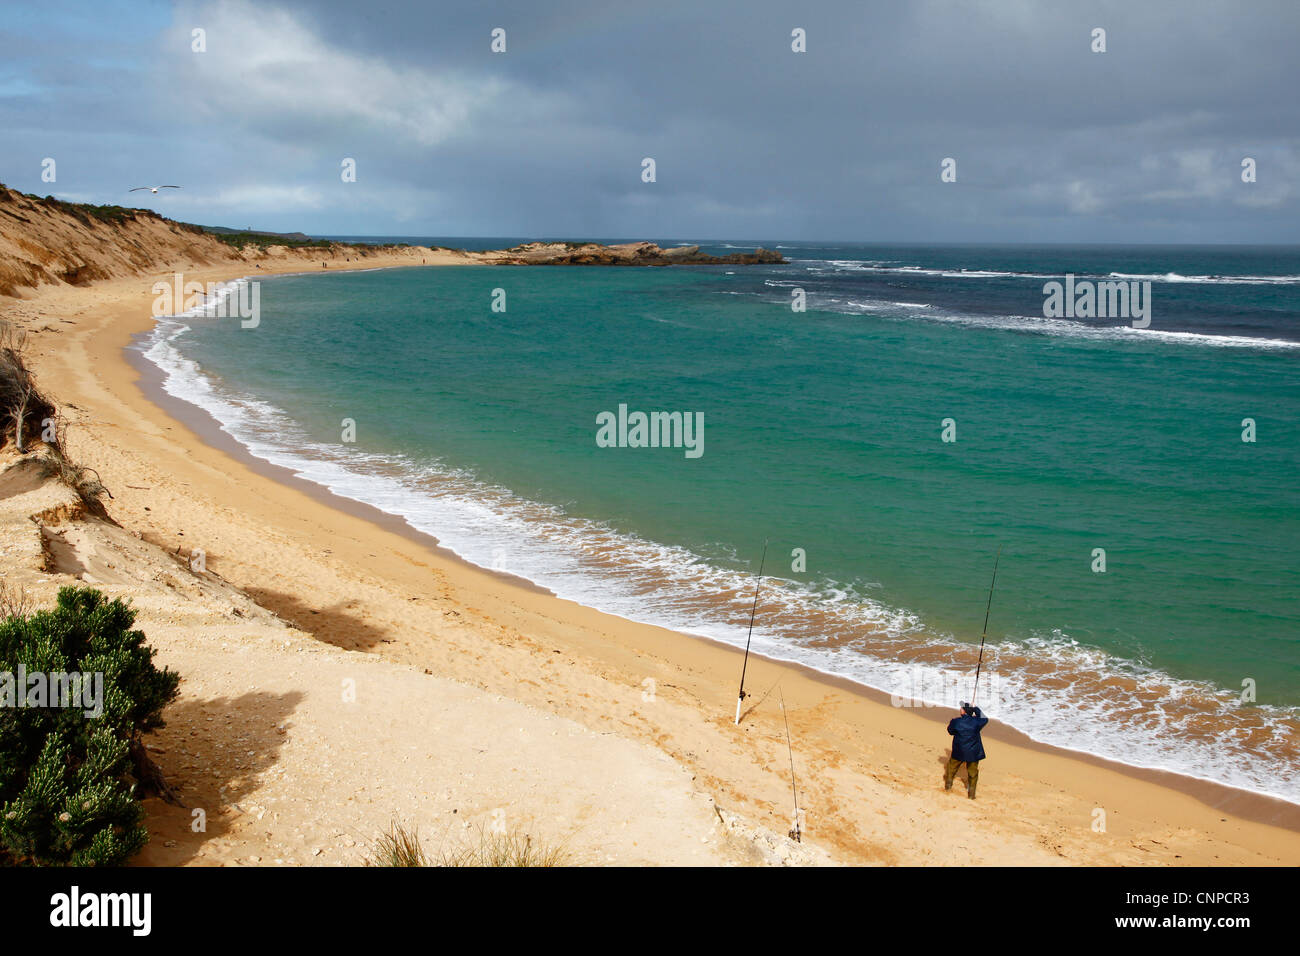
point(1053, 142)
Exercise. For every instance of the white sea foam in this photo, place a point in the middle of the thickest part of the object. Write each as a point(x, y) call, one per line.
point(886, 309)
point(888, 266)
point(1210, 280)
point(1121, 333)
point(885, 267)
point(1045, 326)
point(590, 563)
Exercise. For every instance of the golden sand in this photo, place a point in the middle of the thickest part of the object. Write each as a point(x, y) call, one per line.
point(480, 701)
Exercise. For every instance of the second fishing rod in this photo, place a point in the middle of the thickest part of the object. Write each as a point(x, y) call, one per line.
point(752, 611)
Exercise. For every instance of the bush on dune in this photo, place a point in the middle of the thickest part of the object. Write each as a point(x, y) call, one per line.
point(68, 782)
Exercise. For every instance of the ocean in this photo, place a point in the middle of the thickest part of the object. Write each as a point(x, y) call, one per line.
point(920, 416)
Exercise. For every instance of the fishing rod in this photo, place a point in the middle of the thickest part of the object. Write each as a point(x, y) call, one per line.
point(984, 636)
point(793, 787)
point(754, 610)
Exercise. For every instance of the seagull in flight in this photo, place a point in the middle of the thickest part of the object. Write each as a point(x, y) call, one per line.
point(152, 189)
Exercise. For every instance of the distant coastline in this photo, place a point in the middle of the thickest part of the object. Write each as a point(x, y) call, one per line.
point(49, 241)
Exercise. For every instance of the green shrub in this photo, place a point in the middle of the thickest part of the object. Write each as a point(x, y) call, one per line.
point(88, 213)
point(67, 793)
point(264, 239)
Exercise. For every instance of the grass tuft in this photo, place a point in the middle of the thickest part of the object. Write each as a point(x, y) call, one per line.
point(398, 847)
point(14, 600)
point(24, 409)
point(402, 847)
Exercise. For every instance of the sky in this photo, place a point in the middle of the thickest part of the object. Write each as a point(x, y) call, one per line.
point(1052, 141)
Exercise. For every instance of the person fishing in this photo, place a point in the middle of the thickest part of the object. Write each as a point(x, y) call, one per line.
point(967, 747)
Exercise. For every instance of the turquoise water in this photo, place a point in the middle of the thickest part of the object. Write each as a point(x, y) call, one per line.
point(823, 432)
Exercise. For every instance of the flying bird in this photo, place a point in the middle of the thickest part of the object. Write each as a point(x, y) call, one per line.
point(152, 189)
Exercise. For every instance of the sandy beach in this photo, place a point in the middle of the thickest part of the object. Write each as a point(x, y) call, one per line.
point(478, 698)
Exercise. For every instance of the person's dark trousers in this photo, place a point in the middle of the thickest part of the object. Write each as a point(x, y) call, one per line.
point(972, 775)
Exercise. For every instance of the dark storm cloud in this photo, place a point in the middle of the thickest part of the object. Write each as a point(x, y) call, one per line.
point(1053, 142)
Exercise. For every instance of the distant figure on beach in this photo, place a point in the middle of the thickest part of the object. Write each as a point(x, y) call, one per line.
point(967, 748)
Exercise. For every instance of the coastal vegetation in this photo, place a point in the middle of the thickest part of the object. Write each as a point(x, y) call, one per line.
point(90, 214)
point(28, 416)
point(23, 408)
point(78, 688)
point(263, 240)
point(72, 765)
point(400, 846)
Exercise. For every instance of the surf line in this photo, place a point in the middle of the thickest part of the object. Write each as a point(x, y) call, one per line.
point(984, 636)
point(752, 611)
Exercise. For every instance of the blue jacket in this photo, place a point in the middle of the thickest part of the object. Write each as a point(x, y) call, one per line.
point(965, 730)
